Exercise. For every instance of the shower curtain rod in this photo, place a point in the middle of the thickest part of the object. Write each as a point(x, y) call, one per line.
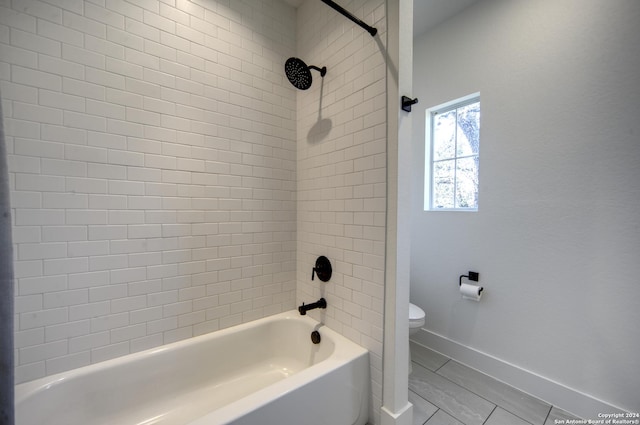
point(371, 30)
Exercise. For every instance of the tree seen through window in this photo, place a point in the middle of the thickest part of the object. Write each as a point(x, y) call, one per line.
point(455, 134)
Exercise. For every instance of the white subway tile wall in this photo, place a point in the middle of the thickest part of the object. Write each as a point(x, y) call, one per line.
point(152, 153)
point(341, 133)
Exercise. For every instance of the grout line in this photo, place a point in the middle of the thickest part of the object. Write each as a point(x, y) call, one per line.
point(434, 413)
point(443, 365)
point(548, 414)
point(494, 409)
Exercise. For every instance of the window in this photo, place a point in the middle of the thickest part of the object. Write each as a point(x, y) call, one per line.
point(452, 155)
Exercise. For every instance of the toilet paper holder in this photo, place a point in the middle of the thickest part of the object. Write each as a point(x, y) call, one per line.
point(471, 292)
point(472, 276)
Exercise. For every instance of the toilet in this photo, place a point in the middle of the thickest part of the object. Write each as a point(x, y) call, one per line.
point(416, 321)
point(416, 318)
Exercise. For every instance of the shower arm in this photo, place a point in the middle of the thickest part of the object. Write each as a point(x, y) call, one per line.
point(323, 70)
point(371, 30)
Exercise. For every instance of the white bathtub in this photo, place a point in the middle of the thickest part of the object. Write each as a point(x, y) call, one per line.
point(265, 372)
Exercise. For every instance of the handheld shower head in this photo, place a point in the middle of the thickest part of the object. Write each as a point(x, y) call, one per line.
point(299, 73)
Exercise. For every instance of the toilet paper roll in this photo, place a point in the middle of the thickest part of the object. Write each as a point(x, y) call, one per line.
point(471, 292)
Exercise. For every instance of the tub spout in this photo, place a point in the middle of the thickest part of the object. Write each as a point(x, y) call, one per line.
point(321, 303)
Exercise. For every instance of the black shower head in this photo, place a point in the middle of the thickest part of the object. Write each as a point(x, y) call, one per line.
point(299, 73)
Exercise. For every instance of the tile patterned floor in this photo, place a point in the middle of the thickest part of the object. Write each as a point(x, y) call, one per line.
point(445, 392)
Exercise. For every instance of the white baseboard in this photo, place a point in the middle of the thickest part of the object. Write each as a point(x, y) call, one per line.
point(573, 401)
point(402, 417)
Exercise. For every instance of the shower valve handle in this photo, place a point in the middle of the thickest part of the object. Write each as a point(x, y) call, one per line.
point(317, 270)
point(322, 269)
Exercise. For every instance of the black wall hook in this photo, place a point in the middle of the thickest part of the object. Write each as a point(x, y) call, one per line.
point(407, 102)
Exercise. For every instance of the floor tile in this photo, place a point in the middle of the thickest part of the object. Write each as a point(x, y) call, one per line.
point(529, 408)
point(558, 414)
point(502, 417)
point(422, 409)
point(442, 418)
point(426, 357)
point(452, 398)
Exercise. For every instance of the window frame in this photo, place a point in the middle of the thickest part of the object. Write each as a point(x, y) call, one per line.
point(429, 189)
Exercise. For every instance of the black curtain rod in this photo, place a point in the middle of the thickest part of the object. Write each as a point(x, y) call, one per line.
point(371, 30)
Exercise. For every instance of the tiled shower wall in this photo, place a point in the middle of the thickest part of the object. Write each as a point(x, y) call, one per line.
point(153, 167)
point(341, 135)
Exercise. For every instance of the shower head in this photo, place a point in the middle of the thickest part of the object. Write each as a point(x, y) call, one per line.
point(299, 73)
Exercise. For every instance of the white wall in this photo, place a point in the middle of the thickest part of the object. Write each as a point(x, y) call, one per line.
point(557, 236)
point(341, 142)
point(152, 155)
